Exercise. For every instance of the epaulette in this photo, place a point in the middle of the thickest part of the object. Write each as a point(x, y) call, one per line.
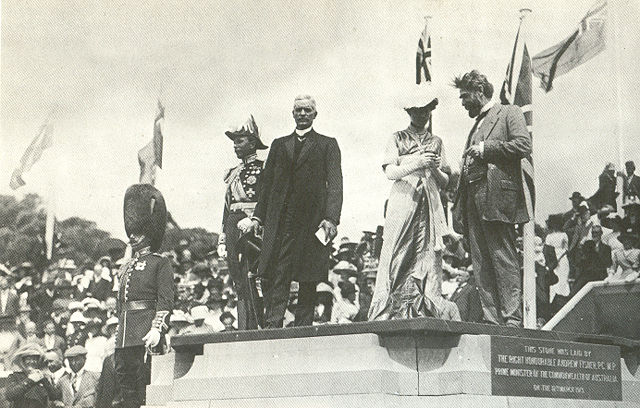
point(227, 174)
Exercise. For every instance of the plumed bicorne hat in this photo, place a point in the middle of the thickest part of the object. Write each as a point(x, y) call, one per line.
point(145, 212)
point(247, 128)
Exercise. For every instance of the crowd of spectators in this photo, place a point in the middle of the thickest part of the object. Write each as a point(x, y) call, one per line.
point(59, 324)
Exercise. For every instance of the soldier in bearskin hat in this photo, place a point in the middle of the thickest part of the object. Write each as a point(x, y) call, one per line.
point(146, 292)
point(240, 200)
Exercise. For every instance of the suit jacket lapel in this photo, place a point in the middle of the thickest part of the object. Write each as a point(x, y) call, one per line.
point(307, 147)
point(289, 145)
point(83, 387)
point(489, 122)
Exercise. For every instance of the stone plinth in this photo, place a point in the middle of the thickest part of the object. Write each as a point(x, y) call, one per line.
point(421, 362)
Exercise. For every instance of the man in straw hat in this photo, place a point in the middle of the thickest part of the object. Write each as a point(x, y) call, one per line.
point(29, 386)
point(243, 183)
point(491, 200)
point(299, 206)
point(146, 292)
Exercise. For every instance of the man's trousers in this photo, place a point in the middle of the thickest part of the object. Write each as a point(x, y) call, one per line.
point(246, 314)
point(277, 282)
point(495, 262)
point(132, 375)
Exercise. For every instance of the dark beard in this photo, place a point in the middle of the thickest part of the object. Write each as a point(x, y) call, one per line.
point(474, 111)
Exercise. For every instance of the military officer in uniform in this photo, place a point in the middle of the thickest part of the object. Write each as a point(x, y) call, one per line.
point(145, 295)
point(240, 200)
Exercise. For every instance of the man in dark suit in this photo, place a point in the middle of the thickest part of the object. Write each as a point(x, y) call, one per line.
point(467, 298)
point(631, 182)
point(576, 198)
point(595, 259)
point(606, 194)
point(301, 194)
point(490, 198)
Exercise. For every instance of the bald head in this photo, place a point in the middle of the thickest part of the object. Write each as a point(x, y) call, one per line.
point(304, 111)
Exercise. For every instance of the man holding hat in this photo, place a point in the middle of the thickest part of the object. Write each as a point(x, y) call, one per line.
point(243, 182)
point(78, 387)
point(299, 205)
point(146, 292)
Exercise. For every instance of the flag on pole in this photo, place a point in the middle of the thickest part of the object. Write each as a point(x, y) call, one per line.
point(39, 144)
point(516, 90)
point(150, 156)
point(423, 56)
point(584, 43)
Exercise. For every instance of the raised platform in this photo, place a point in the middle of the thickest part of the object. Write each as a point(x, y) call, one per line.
point(601, 307)
point(404, 363)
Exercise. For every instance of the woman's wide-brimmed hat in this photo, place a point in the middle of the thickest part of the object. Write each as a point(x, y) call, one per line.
point(419, 96)
point(29, 349)
point(247, 128)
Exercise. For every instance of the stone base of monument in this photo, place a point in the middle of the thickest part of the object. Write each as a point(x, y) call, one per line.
point(411, 363)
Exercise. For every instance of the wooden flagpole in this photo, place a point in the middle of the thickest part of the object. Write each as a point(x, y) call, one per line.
point(529, 317)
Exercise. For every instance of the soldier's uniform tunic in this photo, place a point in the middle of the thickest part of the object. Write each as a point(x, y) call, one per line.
point(145, 300)
point(240, 200)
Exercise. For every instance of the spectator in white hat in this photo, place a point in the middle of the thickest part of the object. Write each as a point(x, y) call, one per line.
point(199, 314)
point(179, 321)
point(78, 324)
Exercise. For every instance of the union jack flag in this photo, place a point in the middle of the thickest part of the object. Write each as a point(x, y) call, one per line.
point(516, 90)
point(423, 56)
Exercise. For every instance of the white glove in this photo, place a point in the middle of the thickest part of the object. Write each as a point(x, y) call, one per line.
point(222, 250)
point(245, 225)
point(152, 338)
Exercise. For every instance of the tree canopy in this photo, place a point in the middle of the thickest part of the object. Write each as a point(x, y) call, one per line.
point(22, 231)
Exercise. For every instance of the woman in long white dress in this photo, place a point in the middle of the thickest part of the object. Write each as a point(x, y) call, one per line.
point(409, 278)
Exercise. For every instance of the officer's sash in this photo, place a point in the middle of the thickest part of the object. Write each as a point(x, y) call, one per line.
point(235, 188)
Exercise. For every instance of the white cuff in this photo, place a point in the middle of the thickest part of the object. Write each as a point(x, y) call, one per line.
point(482, 149)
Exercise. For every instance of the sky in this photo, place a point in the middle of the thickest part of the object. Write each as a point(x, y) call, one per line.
point(104, 65)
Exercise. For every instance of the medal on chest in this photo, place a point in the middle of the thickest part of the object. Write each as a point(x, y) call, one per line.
point(140, 265)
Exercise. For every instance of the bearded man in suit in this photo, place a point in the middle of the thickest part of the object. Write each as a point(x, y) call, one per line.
point(300, 194)
point(490, 199)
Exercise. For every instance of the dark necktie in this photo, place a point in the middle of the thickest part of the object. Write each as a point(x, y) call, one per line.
point(467, 159)
point(298, 146)
point(74, 383)
point(475, 125)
